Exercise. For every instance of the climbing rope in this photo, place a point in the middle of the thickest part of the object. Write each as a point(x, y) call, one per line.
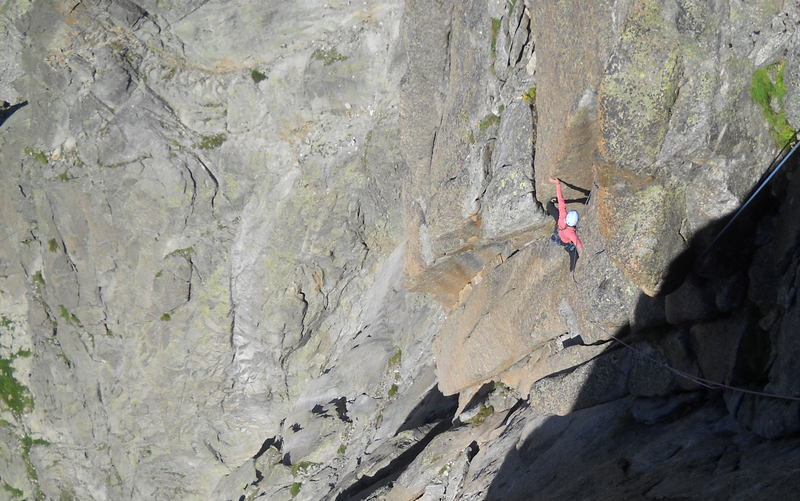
point(760, 187)
point(696, 379)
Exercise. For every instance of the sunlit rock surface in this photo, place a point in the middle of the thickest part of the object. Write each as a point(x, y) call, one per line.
point(299, 250)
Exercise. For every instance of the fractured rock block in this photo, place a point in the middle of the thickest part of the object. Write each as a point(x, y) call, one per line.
point(716, 345)
point(509, 204)
point(648, 378)
point(640, 220)
point(639, 88)
point(692, 302)
point(484, 336)
point(602, 380)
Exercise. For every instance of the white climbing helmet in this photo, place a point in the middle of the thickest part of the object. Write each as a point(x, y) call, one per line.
point(572, 218)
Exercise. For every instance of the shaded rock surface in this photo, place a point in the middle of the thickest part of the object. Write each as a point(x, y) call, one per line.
point(299, 251)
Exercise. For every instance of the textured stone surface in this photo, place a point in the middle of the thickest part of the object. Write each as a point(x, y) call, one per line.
point(608, 457)
point(508, 204)
point(601, 380)
point(647, 377)
point(481, 338)
point(717, 344)
point(193, 229)
point(569, 68)
point(640, 221)
point(676, 346)
point(297, 251)
point(693, 302)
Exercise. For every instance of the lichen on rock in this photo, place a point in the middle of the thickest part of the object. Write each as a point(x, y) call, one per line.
point(298, 250)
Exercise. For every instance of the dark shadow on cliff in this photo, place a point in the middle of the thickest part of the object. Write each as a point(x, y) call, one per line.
point(6, 110)
point(366, 484)
point(433, 407)
point(434, 413)
point(586, 193)
point(638, 430)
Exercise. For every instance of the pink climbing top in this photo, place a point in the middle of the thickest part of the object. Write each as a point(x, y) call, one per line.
point(566, 233)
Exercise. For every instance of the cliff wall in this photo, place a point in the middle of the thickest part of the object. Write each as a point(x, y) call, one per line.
point(299, 251)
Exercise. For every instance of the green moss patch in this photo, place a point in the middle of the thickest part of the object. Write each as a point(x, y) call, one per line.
point(302, 465)
point(12, 491)
point(38, 279)
point(185, 253)
point(396, 359)
point(257, 76)
point(71, 319)
point(52, 245)
point(529, 96)
point(511, 7)
point(38, 155)
point(14, 395)
point(481, 416)
point(63, 356)
point(328, 57)
point(295, 489)
point(767, 90)
point(490, 120)
point(495, 30)
point(210, 142)
point(27, 442)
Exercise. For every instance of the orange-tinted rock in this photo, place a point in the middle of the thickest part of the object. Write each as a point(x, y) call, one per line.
point(438, 134)
point(573, 39)
point(639, 87)
point(513, 311)
point(640, 220)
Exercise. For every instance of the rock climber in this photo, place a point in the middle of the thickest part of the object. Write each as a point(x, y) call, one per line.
point(564, 232)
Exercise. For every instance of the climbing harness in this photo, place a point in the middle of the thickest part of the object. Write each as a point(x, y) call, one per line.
point(554, 238)
point(573, 217)
point(760, 187)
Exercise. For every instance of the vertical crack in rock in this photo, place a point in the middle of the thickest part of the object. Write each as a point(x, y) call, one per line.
point(297, 226)
point(190, 212)
point(232, 315)
point(189, 281)
point(396, 465)
point(213, 179)
point(214, 452)
point(445, 83)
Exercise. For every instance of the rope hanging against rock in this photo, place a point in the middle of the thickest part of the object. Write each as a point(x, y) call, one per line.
point(760, 187)
point(696, 379)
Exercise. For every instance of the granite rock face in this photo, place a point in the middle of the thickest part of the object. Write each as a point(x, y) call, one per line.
point(299, 251)
point(199, 202)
